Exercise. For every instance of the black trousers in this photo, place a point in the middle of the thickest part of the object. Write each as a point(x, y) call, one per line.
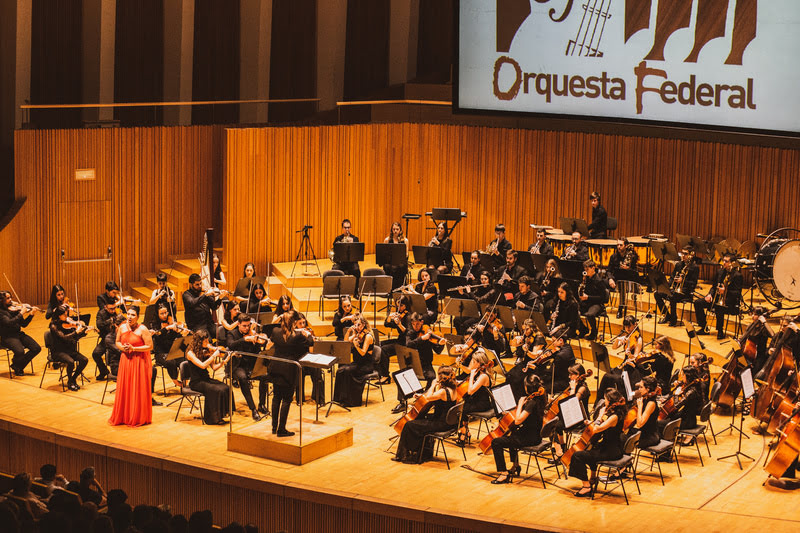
point(701, 306)
point(674, 299)
point(18, 345)
point(588, 459)
point(281, 403)
point(591, 313)
point(242, 376)
point(512, 443)
point(75, 362)
point(97, 355)
point(171, 366)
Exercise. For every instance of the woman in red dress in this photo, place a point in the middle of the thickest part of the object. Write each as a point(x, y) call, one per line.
point(133, 406)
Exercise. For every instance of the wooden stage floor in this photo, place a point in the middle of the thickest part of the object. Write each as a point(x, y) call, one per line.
point(717, 497)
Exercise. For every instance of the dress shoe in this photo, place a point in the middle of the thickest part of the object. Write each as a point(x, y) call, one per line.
point(156, 403)
point(385, 381)
point(673, 324)
point(591, 336)
point(256, 415)
point(285, 433)
point(587, 494)
point(397, 459)
point(274, 430)
point(102, 377)
point(620, 312)
point(17, 371)
point(703, 331)
point(399, 408)
point(720, 335)
point(72, 386)
point(262, 409)
point(508, 477)
point(664, 320)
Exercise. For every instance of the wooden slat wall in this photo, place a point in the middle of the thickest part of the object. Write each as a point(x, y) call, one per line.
point(279, 179)
point(156, 189)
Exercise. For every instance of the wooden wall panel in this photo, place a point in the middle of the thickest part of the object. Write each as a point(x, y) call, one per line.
point(156, 189)
point(284, 178)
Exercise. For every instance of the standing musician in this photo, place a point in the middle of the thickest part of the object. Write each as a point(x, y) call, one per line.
point(400, 322)
point(622, 267)
point(483, 293)
point(350, 269)
point(598, 229)
point(658, 361)
point(499, 245)
point(164, 330)
point(565, 311)
point(630, 340)
point(682, 284)
point(579, 388)
point(12, 319)
point(65, 334)
point(472, 270)
point(349, 384)
point(507, 276)
point(344, 317)
point(316, 375)
point(104, 321)
point(549, 281)
point(112, 295)
point(258, 302)
point(420, 337)
point(198, 306)
point(476, 399)
point(646, 412)
point(163, 295)
point(578, 250)
point(203, 356)
point(289, 344)
point(541, 246)
point(723, 298)
point(58, 297)
point(607, 443)
point(397, 272)
point(526, 430)
point(442, 240)
point(427, 289)
point(441, 396)
point(243, 340)
point(592, 297)
point(525, 298)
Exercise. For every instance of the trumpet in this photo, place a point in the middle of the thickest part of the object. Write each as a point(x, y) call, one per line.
point(571, 251)
point(492, 248)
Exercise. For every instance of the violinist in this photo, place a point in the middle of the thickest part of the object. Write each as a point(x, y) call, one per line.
point(420, 337)
point(427, 289)
point(555, 375)
point(507, 276)
point(598, 229)
point(622, 267)
point(592, 297)
point(289, 344)
point(344, 317)
point(492, 332)
point(441, 395)
point(258, 302)
point(243, 340)
point(352, 268)
point(442, 240)
point(579, 388)
point(248, 273)
point(701, 362)
point(114, 354)
point(317, 377)
point(565, 311)
point(526, 347)
point(58, 297)
point(203, 356)
point(525, 298)
point(758, 333)
point(104, 322)
point(499, 246)
point(483, 293)
point(527, 429)
point(689, 400)
point(198, 306)
point(476, 399)
point(630, 340)
point(12, 320)
point(541, 246)
point(284, 305)
point(549, 281)
point(682, 283)
point(607, 443)
point(163, 295)
point(723, 298)
point(397, 272)
point(65, 336)
point(400, 322)
point(164, 330)
point(578, 250)
point(230, 317)
point(472, 269)
point(658, 362)
point(349, 383)
point(646, 412)
point(111, 295)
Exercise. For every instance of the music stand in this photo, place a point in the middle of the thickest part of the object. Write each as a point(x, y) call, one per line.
point(571, 225)
point(461, 307)
point(428, 255)
point(374, 286)
point(348, 252)
point(487, 262)
point(243, 285)
point(571, 270)
point(151, 313)
point(525, 260)
point(410, 216)
point(492, 355)
point(179, 346)
point(521, 315)
point(600, 358)
point(540, 261)
point(338, 285)
point(393, 254)
point(447, 284)
point(541, 323)
point(417, 302)
point(664, 251)
point(748, 391)
point(404, 354)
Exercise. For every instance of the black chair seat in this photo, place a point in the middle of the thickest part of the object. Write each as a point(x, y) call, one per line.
point(620, 463)
point(662, 447)
point(695, 431)
point(539, 448)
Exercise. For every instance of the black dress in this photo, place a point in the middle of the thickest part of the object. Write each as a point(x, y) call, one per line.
point(216, 393)
point(433, 421)
point(349, 386)
point(528, 434)
point(478, 402)
point(649, 431)
point(609, 448)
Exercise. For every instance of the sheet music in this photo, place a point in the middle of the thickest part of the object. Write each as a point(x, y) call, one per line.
point(747, 383)
point(627, 381)
point(408, 382)
point(318, 359)
point(504, 398)
point(571, 411)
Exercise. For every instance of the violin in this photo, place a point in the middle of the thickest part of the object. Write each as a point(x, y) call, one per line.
point(71, 323)
point(23, 308)
point(427, 330)
point(506, 423)
point(671, 404)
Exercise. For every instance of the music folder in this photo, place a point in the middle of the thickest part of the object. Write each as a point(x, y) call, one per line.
point(408, 382)
point(318, 360)
point(572, 412)
point(503, 398)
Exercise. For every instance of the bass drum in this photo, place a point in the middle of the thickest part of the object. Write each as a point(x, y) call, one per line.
point(777, 268)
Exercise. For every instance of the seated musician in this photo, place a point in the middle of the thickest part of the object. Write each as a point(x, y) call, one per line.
point(400, 322)
point(541, 246)
point(482, 294)
point(349, 268)
point(630, 341)
point(549, 281)
point(442, 240)
point(104, 321)
point(579, 388)
point(723, 298)
point(248, 273)
point(598, 229)
point(164, 330)
point(528, 428)
point(506, 277)
point(427, 288)
point(578, 250)
point(492, 333)
point(64, 349)
point(113, 353)
point(163, 295)
point(476, 399)
point(244, 340)
point(658, 362)
point(258, 302)
point(526, 348)
point(419, 337)
point(397, 272)
point(284, 305)
point(689, 399)
point(646, 412)
point(12, 320)
point(472, 269)
point(565, 311)
point(608, 445)
point(203, 356)
point(441, 393)
point(499, 246)
point(349, 383)
point(525, 298)
point(622, 267)
point(344, 317)
point(591, 300)
point(788, 335)
point(759, 333)
point(701, 362)
point(682, 282)
point(554, 369)
point(230, 316)
point(58, 297)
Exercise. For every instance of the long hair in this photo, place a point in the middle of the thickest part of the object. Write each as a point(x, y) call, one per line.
point(533, 383)
point(3, 296)
point(400, 236)
point(287, 324)
point(447, 376)
point(279, 307)
point(53, 300)
point(665, 346)
point(197, 342)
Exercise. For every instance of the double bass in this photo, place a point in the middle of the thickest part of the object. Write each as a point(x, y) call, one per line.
point(781, 382)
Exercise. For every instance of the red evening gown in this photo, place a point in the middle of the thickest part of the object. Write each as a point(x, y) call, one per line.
point(133, 405)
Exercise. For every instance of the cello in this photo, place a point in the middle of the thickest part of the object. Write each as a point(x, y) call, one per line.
point(730, 380)
point(506, 423)
point(552, 407)
point(788, 447)
point(587, 438)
